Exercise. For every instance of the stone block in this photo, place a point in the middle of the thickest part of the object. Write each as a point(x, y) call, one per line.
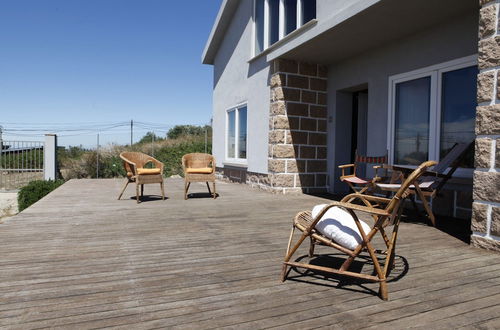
point(278, 108)
point(285, 94)
point(307, 152)
point(277, 137)
point(308, 69)
point(322, 71)
point(305, 180)
point(322, 125)
point(285, 122)
point(322, 98)
point(482, 153)
point(321, 153)
point(485, 243)
point(297, 109)
point(317, 111)
point(495, 221)
point(488, 120)
point(278, 80)
point(307, 124)
point(298, 81)
point(317, 139)
point(316, 166)
point(321, 180)
point(283, 180)
point(485, 84)
point(308, 97)
point(478, 220)
point(296, 137)
point(489, 53)
point(487, 21)
point(317, 84)
point(487, 186)
point(287, 66)
point(283, 151)
point(276, 165)
point(295, 166)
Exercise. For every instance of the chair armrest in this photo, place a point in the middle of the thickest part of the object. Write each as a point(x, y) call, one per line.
point(156, 163)
point(132, 165)
point(369, 198)
point(344, 167)
point(352, 207)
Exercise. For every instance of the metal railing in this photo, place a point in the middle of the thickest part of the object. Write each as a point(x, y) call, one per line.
point(20, 163)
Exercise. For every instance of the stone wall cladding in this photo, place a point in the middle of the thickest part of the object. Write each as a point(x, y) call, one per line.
point(297, 127)
point(486, 188)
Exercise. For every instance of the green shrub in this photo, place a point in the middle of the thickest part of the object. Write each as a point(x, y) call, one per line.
point(34, 191)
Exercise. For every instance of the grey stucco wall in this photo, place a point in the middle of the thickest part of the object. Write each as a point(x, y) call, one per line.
point(450, 40)
point(235, 82)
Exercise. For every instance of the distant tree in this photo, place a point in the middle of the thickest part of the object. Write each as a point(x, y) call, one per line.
point(188, 130)
point(148, 138)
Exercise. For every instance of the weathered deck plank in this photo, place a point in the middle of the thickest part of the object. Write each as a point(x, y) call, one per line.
point(81, 259)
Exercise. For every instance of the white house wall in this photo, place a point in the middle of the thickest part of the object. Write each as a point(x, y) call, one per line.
point(236, 82)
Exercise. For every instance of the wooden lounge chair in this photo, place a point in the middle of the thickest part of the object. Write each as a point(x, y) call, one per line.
point(353, 180)
point(387, 213)
point(429, 185)
point(198, 167)
point(134, 163)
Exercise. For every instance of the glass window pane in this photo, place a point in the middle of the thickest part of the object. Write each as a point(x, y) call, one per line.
point(242, 136)
point(231, 134)
point(411, 144)
point(308, 10)
point(274, 18)
point(259, 26)
point(290, 15)
point(458, 110)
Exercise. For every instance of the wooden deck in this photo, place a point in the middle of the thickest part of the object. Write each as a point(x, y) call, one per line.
point(81, 259)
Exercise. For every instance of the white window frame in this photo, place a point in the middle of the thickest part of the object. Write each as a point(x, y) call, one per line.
point(282, 26)
point(435, 72)
point(235, 159)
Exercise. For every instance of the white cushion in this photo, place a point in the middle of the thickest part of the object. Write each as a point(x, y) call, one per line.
point(338, 225)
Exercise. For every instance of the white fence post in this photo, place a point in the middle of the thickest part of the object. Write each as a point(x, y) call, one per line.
point(49, 157)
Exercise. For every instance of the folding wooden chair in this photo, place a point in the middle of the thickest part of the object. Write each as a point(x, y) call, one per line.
point(390, 214)
point(353, 180)
point(429, 185)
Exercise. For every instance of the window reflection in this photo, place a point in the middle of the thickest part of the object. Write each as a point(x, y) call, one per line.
point(411, 145)
point(458, 104)
point(231, 134)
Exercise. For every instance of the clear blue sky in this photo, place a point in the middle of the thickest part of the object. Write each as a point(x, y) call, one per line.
point(106, 61)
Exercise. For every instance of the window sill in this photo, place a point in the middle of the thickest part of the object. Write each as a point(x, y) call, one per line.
point(285, 39)
point(236, 163)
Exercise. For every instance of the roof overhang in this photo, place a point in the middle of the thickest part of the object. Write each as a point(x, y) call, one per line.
point(222, 21)
point(368, 24)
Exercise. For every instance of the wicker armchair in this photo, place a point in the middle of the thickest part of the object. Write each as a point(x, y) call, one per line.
point(134, 163)
point(198, 167)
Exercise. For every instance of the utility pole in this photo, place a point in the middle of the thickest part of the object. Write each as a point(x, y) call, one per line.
point(153, 144)
point(206, 138)
point(131, 131)
point(97, 152)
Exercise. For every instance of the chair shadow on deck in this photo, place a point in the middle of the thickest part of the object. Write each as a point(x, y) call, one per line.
point(202, 195)
point(401, 268)
point(149, 198)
